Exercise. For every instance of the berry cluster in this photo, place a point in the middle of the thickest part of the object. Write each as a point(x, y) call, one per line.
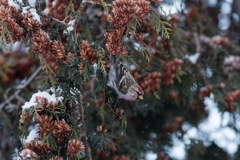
point(142, 8)
point(114, 41)
point(46, 125)
point(176, 124)
point(123, 12)
point(26, 117)
point(192, 12)
point(10, 15)
point(42, 43)
point(152, 82)
point(27, 152)
point(222, 85)
point(163, 156)
point(57, 9)
point(218, 40)
point(45, 102)
point(74, 146)
point(51, 61)
point(119, 114)
point(61, 130)
point(36, 146)
point(29, 22)
point(170, 70)
point(205, 92)
point(100, 130)
point(102, 154)
point(87, 53)
point(230, 98)
point(122, 157)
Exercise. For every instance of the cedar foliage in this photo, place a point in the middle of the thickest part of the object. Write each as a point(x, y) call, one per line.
point(69, 47)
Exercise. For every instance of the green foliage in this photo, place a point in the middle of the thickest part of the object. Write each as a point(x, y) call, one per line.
point(101, 64)
point(100, 140)
point(46, 65)
point(102, 81)
point(160, 25)
point(131, 60)
point(50, 140)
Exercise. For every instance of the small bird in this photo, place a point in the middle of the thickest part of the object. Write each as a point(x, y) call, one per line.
point(121, 80)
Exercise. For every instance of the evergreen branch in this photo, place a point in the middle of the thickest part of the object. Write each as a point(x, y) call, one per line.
point(46, 65)
point(158, 24)
point(130, 59)
point(101, 63)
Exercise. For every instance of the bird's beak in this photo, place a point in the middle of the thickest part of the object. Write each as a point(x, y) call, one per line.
point(140, 97)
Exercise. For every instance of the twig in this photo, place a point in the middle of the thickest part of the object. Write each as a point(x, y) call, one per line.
point(198, 44)
point(83, 131)
point(20, 98)
point(67, 17)
point(92, 84)
point(8, 102)
point(62, 23)
point(20, 90)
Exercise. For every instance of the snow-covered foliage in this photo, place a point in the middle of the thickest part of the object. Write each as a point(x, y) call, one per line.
point(51, 98)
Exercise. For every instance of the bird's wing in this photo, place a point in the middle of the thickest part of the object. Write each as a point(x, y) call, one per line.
point(123, 78)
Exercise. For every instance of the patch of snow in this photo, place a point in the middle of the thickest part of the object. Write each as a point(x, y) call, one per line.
point(32, 3)
point(74, 91)
point(53, 3)
point(133, 67)
point(193, 58)
point(21, 154)
point(229, 59)
point(70, 28)
point(33, 12)
point(12, 3)
point(150, 155)
point(16, 47)
point(50, 98)
point(178, 149)
point(33, 134)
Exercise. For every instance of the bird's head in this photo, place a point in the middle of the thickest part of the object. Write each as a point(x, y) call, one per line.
point(139, 93)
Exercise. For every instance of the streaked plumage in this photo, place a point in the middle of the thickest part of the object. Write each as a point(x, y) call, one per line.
point(121, 80)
